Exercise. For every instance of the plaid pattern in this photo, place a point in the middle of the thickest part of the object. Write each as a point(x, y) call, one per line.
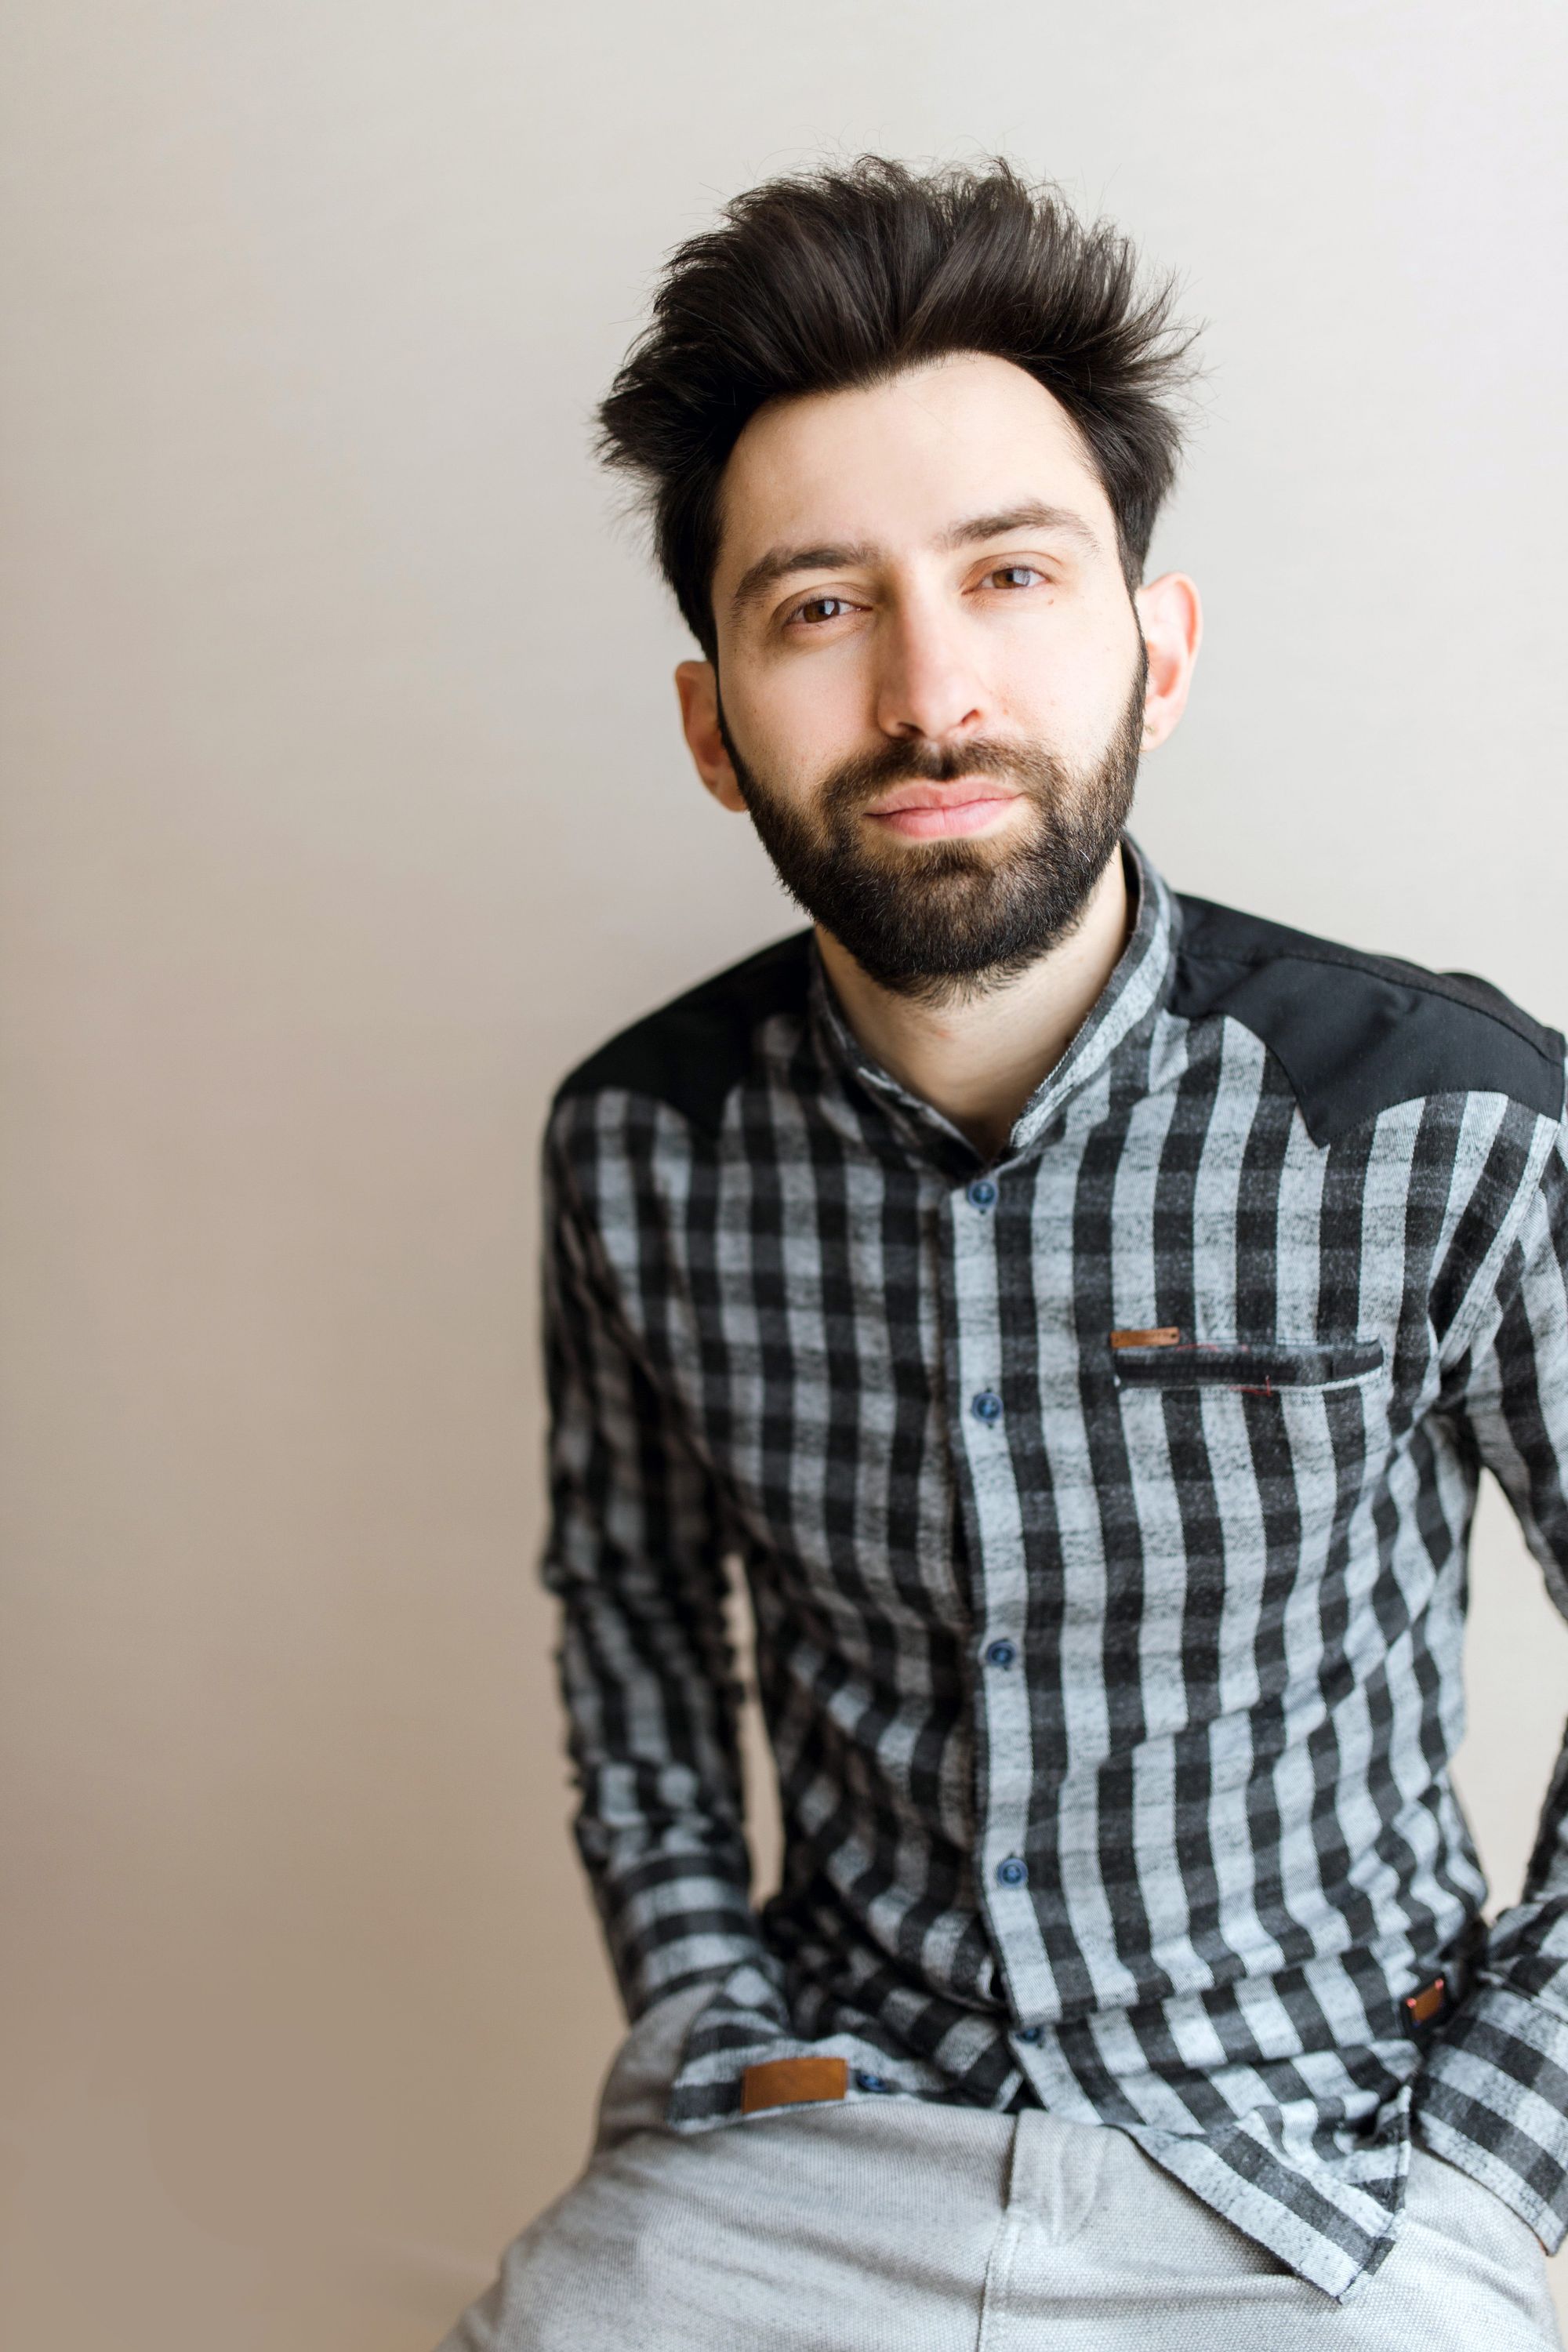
point(1112, 1687)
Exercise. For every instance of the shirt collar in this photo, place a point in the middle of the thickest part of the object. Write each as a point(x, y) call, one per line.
point(1137, 983)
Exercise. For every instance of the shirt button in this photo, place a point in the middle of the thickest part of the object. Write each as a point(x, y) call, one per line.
point(1000, 1653)
point(1012, 1872)
point(865, 2082)
point(982, 1192)
point(986, 1406)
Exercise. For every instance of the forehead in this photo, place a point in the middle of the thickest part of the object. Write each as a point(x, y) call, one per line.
point(893, 464)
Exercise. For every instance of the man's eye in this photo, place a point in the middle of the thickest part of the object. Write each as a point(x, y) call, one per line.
point(816, 604)
point(1027, 570)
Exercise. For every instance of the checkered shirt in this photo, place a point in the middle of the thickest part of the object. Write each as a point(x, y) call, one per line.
point(1104, 1508)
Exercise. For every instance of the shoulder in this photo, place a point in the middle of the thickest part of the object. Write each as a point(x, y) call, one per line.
point(1357, 1032)
point(694, 1051)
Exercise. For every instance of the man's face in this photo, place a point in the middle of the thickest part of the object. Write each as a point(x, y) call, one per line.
point(933, 677)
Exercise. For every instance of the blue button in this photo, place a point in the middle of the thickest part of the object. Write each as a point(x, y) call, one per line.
point(1000, 1653)
point(1012, 1872)
point(1030, 2033)
point(986, 1406)
point(982, 1192)
point(865, 2082)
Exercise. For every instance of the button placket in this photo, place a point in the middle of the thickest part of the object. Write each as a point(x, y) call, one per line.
point(1002, 1696)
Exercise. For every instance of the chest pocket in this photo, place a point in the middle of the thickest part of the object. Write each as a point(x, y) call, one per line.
point(1249, 1467)
point(1172, 1358)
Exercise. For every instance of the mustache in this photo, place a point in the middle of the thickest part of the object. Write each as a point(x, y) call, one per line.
point(868, 774)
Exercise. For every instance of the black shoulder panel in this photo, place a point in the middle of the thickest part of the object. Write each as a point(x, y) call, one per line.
point(693, 1052)
point(1357, 1034)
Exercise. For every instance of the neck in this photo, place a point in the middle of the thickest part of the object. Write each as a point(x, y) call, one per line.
point(978, 1059)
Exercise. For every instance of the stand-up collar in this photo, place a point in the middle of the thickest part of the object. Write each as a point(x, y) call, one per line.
point(1137, 983)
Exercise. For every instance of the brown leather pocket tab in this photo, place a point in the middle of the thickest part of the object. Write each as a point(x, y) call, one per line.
point(791, 2082)
point(1167, 1336)
point(1429, 2003)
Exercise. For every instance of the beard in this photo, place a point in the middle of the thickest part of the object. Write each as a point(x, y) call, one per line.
point(938, 921)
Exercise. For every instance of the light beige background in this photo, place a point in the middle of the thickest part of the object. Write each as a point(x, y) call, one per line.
point(344, 805)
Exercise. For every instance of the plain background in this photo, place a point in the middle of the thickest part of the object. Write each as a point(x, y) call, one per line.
point(345, 805)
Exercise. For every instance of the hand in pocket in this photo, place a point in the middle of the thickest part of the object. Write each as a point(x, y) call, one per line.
point(638, 2085)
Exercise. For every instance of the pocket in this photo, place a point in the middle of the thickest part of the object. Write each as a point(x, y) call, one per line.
point(636, 2088)
point(1248, 1459)
point(1171, 1358)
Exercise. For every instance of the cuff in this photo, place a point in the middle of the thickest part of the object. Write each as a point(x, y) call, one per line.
point(684, 1931)
point(1492, 2099)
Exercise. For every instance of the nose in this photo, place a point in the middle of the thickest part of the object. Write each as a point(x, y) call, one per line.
point(926, 681)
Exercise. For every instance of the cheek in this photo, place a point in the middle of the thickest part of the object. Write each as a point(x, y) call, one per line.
point(1072, 696)
point(1074, 715)
point(792, 727)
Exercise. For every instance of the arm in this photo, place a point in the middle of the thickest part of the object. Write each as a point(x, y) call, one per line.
point(635, 1556)
point(1493, 2095)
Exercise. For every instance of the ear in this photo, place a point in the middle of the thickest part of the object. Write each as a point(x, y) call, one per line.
point(1171, 620)
point(697, 684)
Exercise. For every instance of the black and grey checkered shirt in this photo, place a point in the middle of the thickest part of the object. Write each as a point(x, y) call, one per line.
point(1104, 1509)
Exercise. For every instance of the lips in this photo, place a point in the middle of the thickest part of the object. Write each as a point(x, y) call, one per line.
point(923, 811)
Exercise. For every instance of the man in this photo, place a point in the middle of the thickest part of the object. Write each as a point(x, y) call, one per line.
point(1086, 1312)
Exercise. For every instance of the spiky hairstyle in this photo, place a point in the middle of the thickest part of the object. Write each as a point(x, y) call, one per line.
point(840, 278)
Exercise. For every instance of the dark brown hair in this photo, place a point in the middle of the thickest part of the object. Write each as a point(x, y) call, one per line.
point(842, 278)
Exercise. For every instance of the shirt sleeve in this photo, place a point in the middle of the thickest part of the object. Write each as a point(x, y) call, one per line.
point(635, 1556)
point(1493, 2095)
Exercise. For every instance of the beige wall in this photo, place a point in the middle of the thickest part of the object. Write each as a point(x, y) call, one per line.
point(344, 804)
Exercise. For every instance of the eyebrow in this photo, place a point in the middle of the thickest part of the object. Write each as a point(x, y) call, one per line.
point(1030, 514)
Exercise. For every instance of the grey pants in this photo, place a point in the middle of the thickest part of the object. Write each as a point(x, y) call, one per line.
point(914, 2228)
